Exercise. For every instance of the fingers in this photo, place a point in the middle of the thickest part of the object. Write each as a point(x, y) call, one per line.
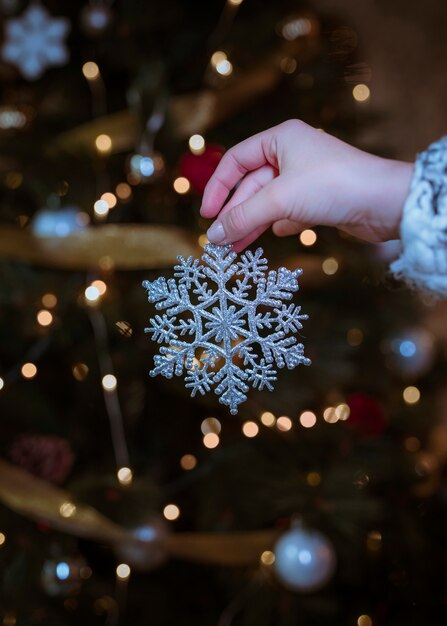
point(256, 212)
point(284, 228)
point(249, 155)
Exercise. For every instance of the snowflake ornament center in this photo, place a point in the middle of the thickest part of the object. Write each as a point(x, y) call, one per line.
point(225, 325)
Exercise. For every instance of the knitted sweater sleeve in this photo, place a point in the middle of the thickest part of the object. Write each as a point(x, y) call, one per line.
point(423, 262)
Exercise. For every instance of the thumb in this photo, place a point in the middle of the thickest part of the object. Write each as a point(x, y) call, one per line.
point(260, 210)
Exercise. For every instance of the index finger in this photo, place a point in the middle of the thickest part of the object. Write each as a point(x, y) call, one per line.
point(250, 154)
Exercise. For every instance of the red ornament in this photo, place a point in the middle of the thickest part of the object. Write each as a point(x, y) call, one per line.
point(46, 456)
point(366, 415)
point(198, 168)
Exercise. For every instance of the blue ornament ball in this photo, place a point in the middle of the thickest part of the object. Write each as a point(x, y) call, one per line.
point(304, 559)
point(58, 223)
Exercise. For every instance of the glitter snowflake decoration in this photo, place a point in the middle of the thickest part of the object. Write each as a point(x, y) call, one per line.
point(35, 41)
point(211, 332)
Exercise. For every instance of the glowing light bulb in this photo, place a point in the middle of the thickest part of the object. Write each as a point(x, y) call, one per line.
point(330, 266)
point(2, 538)
point(90, 70)
point(211, 440)
point(123, 571)
point(211, 425)
point(188, 462)
point(100, 286)
point(44, 318)
point(250, 429)
point(2, 383)
point(284, 423)
point(123, 191)
point(361, 93)
point(109, 382)
point(101, 208)
point(67, 509)
point(92, 294)
point(181, 185)
point(49, 300)
point(308, 237)
point(411, 395)
point(268, 419)
point(29, 370)
point(267, 557)
point(224, 67)
point(110, 198)
point(196, 144)
point(171, 512)
point(218, 57)
point(308, 419)
point(103, 144)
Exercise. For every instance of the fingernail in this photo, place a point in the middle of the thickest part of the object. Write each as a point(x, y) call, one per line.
point(216, 233)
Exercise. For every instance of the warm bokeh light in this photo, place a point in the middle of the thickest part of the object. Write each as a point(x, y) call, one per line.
point(123, 571)
point(288, 65)
point(342, 411)
point(210, 425)
point(267, 557)
point(354, 337)
point(188, 462)
point(171, 512)
point(44, 317)
point(308, 237)
point(412, 444)
point(250, 429)
point(330, 266)
point(411, 395)
point(29, 370)
point(284, 423)
point(101, 208)
point(92, 294)
point(313, 479)
point(100, 286)
point(329, 415)
point(374, 541)
point(268, 419)
point(67, 509)
point(196, 144)
point(235, 3)
point(218, 57)
point(308, 419)
point(103, 144)
point(2, 538)
point(364, 620)
point(125, 475)
point(90, 70)
point(109, 382)
point(79, 371)
point(110, 198)
point(49, 300)
point(361, 93)
point(2, 383)
point(123, 191)
point(181, 185)
point(211, 440)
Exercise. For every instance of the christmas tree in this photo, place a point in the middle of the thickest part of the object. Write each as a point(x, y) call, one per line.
point(124, 500)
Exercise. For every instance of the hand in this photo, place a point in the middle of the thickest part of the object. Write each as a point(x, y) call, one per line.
point(292, 177)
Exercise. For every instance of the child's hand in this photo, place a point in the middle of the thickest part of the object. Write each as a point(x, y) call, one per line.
point(293, 177)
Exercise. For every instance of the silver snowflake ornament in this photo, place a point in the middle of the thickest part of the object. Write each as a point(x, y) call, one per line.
point(35, 41)
point(225, 325)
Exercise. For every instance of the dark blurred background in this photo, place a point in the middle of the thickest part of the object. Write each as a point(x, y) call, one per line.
point(124, 500)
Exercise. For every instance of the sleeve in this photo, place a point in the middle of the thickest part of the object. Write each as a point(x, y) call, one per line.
point(423, 262)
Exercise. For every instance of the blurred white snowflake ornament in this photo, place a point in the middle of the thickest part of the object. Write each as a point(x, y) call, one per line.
point(211, 330)
point(35, 40)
